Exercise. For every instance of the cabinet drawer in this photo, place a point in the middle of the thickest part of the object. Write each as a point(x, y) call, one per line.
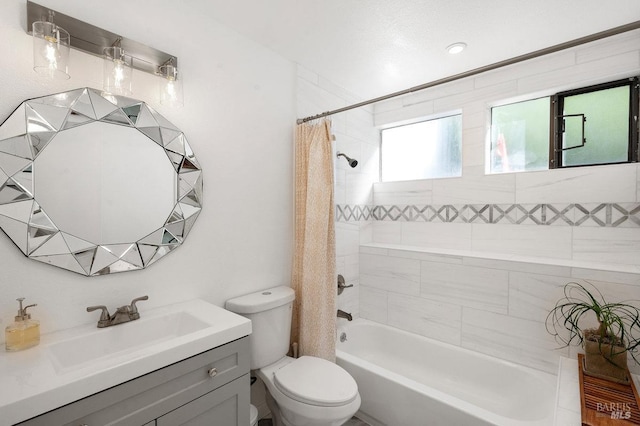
point(226, 406)
point(148, 397)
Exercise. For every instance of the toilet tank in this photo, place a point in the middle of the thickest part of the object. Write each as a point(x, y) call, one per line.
point(270, 314)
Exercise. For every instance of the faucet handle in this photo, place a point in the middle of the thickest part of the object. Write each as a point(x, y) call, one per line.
point(104, 316)
point(342, 285)
point(134, 309)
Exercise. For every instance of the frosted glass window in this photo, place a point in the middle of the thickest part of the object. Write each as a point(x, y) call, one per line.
point(606, 127)
point(520, 136)
point(424, 150)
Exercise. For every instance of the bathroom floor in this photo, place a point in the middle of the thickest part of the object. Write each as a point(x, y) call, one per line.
point(353, 422)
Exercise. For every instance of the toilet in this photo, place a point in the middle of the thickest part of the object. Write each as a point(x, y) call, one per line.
point(306, 391)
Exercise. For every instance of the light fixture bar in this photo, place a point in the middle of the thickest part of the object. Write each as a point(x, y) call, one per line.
point(91, 39)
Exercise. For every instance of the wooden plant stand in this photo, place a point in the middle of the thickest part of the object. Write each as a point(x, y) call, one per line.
point(605, 403)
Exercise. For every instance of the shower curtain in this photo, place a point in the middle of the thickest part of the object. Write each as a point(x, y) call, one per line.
point(314, 262)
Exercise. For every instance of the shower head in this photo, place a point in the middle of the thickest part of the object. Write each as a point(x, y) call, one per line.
point(352, 161)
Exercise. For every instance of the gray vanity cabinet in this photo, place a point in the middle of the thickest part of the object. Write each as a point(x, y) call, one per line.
point(211, 389)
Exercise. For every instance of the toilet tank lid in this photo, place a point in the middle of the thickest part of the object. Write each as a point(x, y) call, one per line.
point(261, 300)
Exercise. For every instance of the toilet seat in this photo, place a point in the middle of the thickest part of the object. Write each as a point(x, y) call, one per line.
point(316, 381)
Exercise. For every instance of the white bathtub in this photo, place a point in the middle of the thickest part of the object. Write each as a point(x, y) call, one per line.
point(409, 380)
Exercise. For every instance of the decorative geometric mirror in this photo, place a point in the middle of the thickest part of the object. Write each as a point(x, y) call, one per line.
point(96, 184)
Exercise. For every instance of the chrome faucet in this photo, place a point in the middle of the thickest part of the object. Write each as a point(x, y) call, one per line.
point(343, 314)
point(123, 313)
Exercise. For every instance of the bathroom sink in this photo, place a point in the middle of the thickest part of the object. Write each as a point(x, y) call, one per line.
point(70, 364)
point(123, 340)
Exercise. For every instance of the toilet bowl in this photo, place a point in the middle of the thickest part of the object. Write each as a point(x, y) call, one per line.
point(309, 391)
point(306, 391)
point(253, 415)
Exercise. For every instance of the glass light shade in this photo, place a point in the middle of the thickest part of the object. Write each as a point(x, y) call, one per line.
point(170, 87)
point(117, 72)
point(50, 50)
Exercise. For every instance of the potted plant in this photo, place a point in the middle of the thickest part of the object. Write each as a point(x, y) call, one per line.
point(606, 346)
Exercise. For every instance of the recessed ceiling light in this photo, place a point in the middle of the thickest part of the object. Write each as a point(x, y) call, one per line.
point(456, 48)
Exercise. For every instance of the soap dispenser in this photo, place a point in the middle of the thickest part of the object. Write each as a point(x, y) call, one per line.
point(24, 332)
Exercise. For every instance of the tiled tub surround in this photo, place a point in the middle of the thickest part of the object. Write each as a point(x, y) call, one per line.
point(487, 303)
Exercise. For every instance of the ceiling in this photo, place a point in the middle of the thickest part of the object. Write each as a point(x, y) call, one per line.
point(375, 47)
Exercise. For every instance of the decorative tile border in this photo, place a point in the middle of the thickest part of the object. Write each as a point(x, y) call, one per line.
point(622, 215)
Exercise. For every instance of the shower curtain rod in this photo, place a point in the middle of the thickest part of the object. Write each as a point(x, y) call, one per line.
point(552, 49)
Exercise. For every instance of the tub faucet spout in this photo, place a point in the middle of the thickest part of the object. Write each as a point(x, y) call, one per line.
point(343, 314)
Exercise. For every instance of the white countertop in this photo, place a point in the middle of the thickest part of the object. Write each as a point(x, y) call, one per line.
point(568, 393)
point(30, 383)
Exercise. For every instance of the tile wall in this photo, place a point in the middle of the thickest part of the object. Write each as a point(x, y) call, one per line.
point(478, 261)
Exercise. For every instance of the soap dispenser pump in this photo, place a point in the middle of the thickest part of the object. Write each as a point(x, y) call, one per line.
point(24, 332)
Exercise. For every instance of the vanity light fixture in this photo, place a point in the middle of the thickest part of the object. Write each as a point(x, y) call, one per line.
point(117, 71)
point(170, 85)
point(121, 55)
point(50, 48)
point(456, 48)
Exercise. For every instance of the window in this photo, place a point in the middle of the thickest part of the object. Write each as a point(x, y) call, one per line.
point(424, 150)
point(588, 126)
point(520, 136)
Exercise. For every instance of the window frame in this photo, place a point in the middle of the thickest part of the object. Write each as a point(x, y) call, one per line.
point(557, 102)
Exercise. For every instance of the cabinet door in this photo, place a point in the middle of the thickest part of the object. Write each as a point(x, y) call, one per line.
point(225, 406)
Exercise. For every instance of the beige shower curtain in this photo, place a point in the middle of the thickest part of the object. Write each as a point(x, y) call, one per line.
point(314, 262)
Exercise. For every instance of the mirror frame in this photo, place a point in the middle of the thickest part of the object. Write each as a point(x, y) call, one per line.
point(33, 125)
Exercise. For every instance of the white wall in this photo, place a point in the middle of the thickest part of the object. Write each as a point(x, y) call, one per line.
point(488, 286)
point(238, 117)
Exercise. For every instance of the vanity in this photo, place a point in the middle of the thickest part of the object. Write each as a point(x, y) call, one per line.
point(187, 362)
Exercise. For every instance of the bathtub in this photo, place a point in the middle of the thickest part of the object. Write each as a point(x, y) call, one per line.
point(408, 380)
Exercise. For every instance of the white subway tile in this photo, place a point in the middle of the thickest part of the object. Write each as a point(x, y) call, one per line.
point(393, 274)
point(540, 267)
point(404, 114)
point(366, 232)
point(488, 93)
point(514, 339)
point(606, 244)
point(597, 71)
point(498, 189)
point(610, 46)
point(432, 257)
point(388, 105)
point(387, 232)
point(535, 66)
point(526, 240)
point(417, 192)
point(480, 288)
point(464, 85)
point(339, 186)
point(437, 235)
point(532, 296)
point(358, 189)
point(440, 321)
point(347, 238)
point(364, 249)
point(610, 276)
point(473, 147)
point(373, 304)
point(601, 184)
